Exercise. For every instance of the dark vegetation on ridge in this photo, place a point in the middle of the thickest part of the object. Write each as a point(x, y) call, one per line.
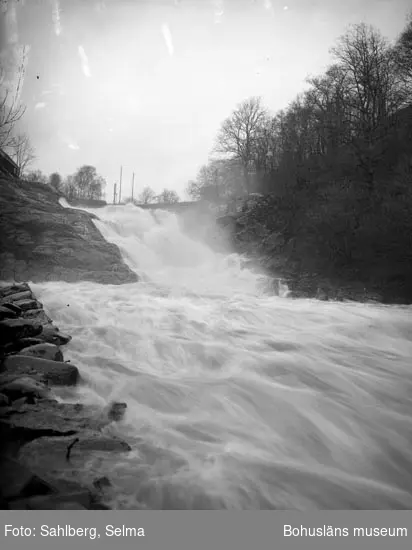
point(342, 239)
point(335, 169)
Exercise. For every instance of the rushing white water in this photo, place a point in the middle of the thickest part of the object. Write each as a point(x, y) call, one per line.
point(236, 398)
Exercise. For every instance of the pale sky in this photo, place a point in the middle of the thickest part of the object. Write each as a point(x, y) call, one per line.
point(146, 83)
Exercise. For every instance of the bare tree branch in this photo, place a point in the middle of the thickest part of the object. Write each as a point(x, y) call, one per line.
point(23, 152)
point(168, 196)
point(11, 110)
point(146, 196)
point(238, 134)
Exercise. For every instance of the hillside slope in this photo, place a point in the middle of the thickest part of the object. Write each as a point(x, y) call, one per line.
point(296, 246)
point(42, 241)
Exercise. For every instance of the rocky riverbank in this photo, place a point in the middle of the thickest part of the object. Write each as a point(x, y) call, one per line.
point(53, 452)
point(278, 243)
point(42, 241)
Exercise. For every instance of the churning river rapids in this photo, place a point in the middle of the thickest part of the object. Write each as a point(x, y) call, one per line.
point(237, 399)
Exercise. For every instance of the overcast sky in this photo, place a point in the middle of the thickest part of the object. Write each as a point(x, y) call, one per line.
point(146, 83)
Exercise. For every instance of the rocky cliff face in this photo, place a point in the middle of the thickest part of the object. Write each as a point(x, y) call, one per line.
point(42, 241)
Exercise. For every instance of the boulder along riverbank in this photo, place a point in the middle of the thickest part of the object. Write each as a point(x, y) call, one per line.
point(49, 447)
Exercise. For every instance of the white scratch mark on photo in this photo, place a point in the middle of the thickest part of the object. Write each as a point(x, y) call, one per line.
point(167, 35)
point(56, 17)
point(85, 62)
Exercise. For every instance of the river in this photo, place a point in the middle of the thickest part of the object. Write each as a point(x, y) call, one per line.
point(237, 398)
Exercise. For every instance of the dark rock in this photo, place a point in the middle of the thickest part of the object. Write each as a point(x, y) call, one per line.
point(6, 313)
point(48, 417)
point(14, 329)
point(18, 481)
point(37, 314)
point(7, 377)
point(4, 504)
point(45, 351)
point(74, 500)
point(87, 440)
point(12, 307)
point(23, 387)
point(28, 304)
point(90, 458)
point(17, 297)
point(23, 401)
point(102, 483)
point(57, 373)
point(12, 288)
point(52, 335)
point(116, 411)
point(229, 221)
point(18, 345)
point(4, 400)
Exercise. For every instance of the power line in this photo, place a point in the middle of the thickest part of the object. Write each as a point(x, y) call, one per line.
point(120, 188)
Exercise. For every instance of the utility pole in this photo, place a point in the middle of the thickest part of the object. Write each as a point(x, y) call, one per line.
point(115, 193)
point(120, 187)
point(132, 185)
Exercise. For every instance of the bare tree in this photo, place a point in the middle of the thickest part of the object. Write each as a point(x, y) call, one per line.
point(168, 196)
point(56, 181)
point(69, 187)
point(213, 179)
point(266, 143)
point(208, 181)
point(35, 176)
point(11, 110)
point(23, 152)
point(146, 196)
point(96, 188)
point(329, 102)
point(237, 138)
point(201, 187)
point(374, 92)
point(402, 52)
point(88, 184)
point(194, 190)
point(216, 181)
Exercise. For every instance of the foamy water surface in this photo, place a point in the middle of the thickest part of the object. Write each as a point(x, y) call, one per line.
point(236, 398)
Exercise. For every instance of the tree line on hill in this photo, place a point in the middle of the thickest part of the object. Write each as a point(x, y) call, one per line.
point(337, 162)
point(334, 130)
point(87, 184)
point(149, 196)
